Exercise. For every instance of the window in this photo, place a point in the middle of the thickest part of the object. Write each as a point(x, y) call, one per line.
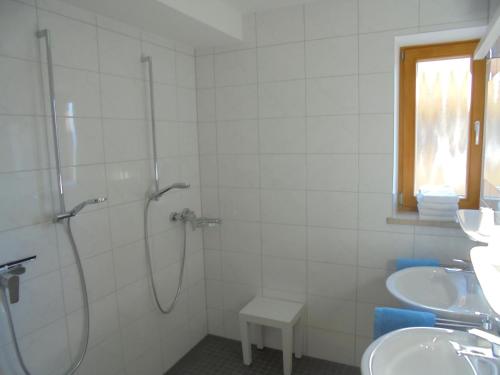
point(441, 110)
point(491, 178)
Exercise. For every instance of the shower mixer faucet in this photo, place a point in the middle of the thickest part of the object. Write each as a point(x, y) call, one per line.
point(188, 216)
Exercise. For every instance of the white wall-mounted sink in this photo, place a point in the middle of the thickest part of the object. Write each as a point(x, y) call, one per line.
point(470, 220)
point(486, 261)
point(423, 351)
point(448, 294)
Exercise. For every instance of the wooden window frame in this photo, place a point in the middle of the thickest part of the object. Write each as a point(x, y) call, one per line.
point(407, 104)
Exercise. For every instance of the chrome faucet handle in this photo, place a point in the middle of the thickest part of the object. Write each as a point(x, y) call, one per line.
point(466, 265)
point(494, 340)
point(9, 280)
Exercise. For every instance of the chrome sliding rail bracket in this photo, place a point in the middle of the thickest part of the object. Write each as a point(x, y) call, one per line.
point(9, 265)
point(55, 129)
point(149, 61)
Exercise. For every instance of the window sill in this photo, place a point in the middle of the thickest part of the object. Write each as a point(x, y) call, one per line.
point(411, 218)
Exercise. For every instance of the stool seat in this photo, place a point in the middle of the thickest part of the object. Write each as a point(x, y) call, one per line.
point(271, 312)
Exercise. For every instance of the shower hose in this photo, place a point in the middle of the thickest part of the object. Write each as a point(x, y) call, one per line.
point(149, 262)
point(85, 339)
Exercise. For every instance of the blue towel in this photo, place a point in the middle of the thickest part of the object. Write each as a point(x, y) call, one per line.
point(402, 263)
point(388, 319)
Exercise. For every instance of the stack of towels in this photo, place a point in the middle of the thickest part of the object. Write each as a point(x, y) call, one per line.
point(437, 203)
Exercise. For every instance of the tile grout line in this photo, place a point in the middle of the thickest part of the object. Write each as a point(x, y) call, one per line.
point(305, 323)
point(356, 290)
point(108, 211)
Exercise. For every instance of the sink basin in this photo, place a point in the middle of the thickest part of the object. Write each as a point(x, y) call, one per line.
point(469, 221)
point(486, 261)
point(448, 294)
point(428, 351)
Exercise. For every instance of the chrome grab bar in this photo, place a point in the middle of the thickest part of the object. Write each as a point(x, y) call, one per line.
point(149, 61)
point(55, 129)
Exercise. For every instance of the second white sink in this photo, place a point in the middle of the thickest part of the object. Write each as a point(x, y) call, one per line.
point(423, 351)
point(451, 295)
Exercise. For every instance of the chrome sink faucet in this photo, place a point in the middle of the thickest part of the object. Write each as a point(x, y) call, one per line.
point(490, 333)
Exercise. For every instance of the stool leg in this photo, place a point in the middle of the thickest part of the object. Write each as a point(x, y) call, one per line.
point(245, 343)
point(259, 336)
point(287, 337)
point(299, 338)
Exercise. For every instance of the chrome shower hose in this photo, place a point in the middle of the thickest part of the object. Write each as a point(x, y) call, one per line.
point(149, 262)
point(85, 340)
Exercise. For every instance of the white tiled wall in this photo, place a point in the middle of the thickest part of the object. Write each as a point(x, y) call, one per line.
point(103, 106)
point(295, 133)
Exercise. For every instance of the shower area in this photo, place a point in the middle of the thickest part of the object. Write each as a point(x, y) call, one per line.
point(101, 249)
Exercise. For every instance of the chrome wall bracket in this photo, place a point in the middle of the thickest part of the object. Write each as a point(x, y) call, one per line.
point(9, 277)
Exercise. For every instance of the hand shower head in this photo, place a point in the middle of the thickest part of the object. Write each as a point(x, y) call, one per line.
point(177, 185)
point(82, 205)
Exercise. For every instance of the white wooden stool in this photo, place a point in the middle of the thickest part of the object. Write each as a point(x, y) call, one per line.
point(275, 313)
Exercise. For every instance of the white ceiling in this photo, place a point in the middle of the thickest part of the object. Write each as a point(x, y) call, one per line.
point(198, 23)
point(246, 6)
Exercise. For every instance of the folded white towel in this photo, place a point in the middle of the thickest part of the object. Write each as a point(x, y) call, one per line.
point(437, 199)
point(431, 212)
point(437, 218)
point(439, 195)
point(452, 206)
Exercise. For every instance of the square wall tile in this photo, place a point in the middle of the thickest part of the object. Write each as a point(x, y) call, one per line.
point(331, 314)
point(332, 209)
point(205, 105)
point(381, 249)
point(332, 57)
point(185, 70)
point(205, 74)
point(329, 18)
point(280, 25)
point(372, 289)
point(282, 136)
point(18, 24)
point(236, 68)
point(74, 43)
point(376, 134)
point(244, 268)
point(282, 99)
point(281, 62)
point(284, 274)
point(240, 204)
point(283, 171)
point(120, 54)
point(387, 15)
point(239, 171)
point(332, 134)
point(448, 11)
point(332, 172)
point(287, 241)
point(163, 63)
point(376, 92)
point(375, 173)
point(283, 206)
point(241, 236)
point(238, 137)
point(332, 280)
point(332, 245)
point(332, 96)
point(377, 50)
point(237, 103)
